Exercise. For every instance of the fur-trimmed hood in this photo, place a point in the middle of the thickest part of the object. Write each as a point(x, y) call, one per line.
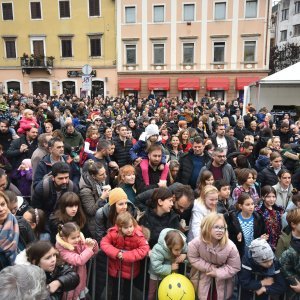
point(65, 244)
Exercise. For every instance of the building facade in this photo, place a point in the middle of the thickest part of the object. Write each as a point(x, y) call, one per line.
point(187, 48)
point(45, 44)
point(288, 22)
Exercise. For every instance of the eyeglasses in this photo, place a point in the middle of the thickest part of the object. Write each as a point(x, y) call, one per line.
point(219, 228)
point(221, 156)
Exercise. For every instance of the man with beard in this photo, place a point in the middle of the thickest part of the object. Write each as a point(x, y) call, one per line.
point(6, 136)
point(48, 191)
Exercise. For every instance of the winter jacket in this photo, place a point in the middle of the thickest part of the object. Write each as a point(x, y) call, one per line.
point(5, 164)
point(282, 198)
point(11, 187)
point(134, 248)
point(283, 241)
point(76, 256)
point(234, 228)
point(24, 181)
point(26, 124)
point(202, 257)
point(102, 222)
point(186, 166)
point(15, 156)
point(73, 140)
point(267, 177)
point(36, 157)
point(6, 140)
point(129, 190)
point(161, 257)
point(230, 143)
point(157, 223)
point(199, 211)
point(121, 155)
point(251, 275)
point(262, 162)
point(175, 156)
point(90, 200)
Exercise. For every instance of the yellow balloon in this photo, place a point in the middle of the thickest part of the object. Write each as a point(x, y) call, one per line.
point(176, 287)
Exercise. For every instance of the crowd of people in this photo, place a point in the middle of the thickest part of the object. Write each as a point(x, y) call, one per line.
point(123, 180)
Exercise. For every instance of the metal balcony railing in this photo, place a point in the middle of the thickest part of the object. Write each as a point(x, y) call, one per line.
point(37, 62)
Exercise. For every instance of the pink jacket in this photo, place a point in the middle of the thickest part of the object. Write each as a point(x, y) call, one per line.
point(77, 257)
point(203, 256)
point(26, 124)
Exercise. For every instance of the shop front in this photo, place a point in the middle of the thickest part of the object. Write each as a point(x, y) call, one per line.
point(159, 86)
point(217, 87)
point(130, 86)
point(189, 87)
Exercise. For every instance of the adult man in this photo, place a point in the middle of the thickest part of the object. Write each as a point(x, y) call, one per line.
point(22, 147)
point(6, 136)
point(284, 134)
point(73, 139)
point(154, 172)
point(123, 145)
point(247, 151)
point(239, 130)
point(191, 163)
point(6, 185)
point(223, 141)
point(40, 151)
point(48, 191)
point(220, 168)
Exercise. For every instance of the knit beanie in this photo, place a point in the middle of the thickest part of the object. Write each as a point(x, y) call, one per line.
point(261, 250)
point(116, 195)
point(150, 130)
point(27, 163)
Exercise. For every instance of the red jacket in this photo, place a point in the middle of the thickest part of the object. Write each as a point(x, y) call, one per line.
point(134, 248)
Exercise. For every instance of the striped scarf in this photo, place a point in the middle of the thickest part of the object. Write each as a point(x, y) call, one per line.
point(9, 238)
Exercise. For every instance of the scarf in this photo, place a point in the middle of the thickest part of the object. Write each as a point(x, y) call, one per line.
point(9, 238)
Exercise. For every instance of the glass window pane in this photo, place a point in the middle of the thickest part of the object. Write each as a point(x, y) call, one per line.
point(188, 13)
point(249, 51)
point(188, 53)
point(158, 53)
point(219, 52)
point(130, 14)
point(220, 11)
point(251, 9)
point(158, 13)
point(130, 54)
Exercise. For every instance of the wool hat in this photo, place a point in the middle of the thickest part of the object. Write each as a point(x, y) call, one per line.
point(150, 130)
point(261, 251)
point(116, 195)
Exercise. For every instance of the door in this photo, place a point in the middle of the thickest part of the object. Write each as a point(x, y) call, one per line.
point(13, 86)
point(97, 88)
point(41, 87)
point(38, 48)
point(68, 87)
point(188, 95)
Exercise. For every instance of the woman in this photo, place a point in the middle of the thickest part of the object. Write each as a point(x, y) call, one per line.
point(201, 129)
point(164, 134)
point(159, 214)
point(184, 138)
point(274, 144)
point(174, 148)
point(126, 181)
point(108, 134)
point(93, 192)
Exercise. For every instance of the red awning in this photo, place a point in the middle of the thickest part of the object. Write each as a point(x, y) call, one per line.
point(241, 82)
point(188, 84)
point(217, 83)
point(130, 84)
point(159, 84)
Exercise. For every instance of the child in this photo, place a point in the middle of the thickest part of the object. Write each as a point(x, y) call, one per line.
point(271, 214)
point(90, 144)
point(263, 159)
point(225, 202)
point(206, 178)
point(23, 177)
point(27, 121)
point(165, 257)
point(214, 259)
point(76, 251)
point(37, 220)
point(260, 276)
point(125, 245)
point(139, 152)
point(245, 224)
point(290, 258)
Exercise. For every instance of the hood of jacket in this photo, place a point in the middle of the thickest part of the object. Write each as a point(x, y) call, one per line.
point(86, 181)
point(67, 245)
point(161, 240)
point(22, 258)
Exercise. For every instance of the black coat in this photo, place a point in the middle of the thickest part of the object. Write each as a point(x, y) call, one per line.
point(121, 155)
point(230, 143)
point(6, 140)
point(267, 177)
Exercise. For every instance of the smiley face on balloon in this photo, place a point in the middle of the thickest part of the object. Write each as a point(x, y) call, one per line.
point(176, 287)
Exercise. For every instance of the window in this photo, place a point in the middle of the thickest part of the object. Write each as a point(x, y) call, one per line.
point(188, 12)
point(64, 9)
point(10, 47)
point(188, 53)
point(249, 51)
point(158, 53)
point(66, 48)
point(284, 14)
point(130, 14)
point(95, 46)
point(94, 8)
point(130, 54)
point(219, 51)
point(283, 35)
point(220, 10)
point(7, 11)
point(297, 30)
point(35, 9)
point(251, 9)
point(297, 7)
point(158, 13)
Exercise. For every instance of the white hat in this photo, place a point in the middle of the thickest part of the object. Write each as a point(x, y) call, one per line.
point(151, 130)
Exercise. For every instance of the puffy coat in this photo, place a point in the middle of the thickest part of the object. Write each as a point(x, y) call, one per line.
point(78, 257)
point(26, 124)
point(90, 200)
point(134, 248)
point(251, 275)
point(73, 140)
point(121, 154)
point(202, 256)
point(267, 177)
point(157, 223)
point(283, 241)
point(161, 257)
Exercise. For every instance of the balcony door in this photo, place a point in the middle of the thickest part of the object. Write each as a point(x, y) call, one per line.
point(38, 48)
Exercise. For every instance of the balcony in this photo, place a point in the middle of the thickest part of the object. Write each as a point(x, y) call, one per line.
point(29, 63)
